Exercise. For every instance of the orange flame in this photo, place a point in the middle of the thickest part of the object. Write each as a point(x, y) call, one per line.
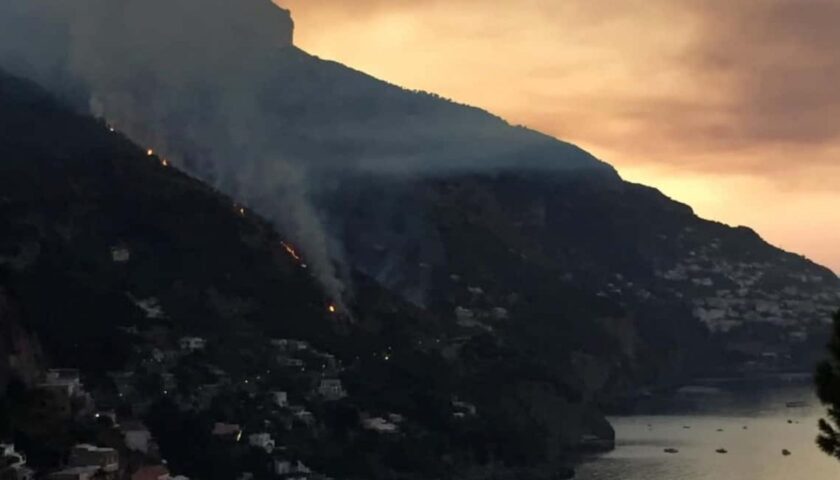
point(291, 251)
point(150, 152)
point(331, 308)
point(164, 162)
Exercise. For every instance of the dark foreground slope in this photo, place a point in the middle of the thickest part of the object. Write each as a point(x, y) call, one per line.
point(109, 257)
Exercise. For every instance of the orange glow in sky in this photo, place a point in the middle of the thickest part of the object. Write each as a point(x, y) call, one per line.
point(729, 108)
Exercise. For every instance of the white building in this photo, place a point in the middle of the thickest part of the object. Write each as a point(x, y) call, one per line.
point(331, 389)
point(262, 441)
point(120, 254)
point(291, 470)
point(83, 455)
point(290, 345)
point(464, 314)
point(65, 380)
point(464, 408)
point(192, 344)
point(75, 473)
point(475, 290)
point(137, 437)
point(289, 362)
point(379, 425)
point(13, 461)
point(281, 399)
point(221, 429)
point(302, 415)
point(151, 307)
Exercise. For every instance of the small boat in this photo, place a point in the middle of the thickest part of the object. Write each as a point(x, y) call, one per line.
point(722, 451)
point(796, 404)
point(671, 450)
point(786, 452)
point(686, 427)
point(719, 429)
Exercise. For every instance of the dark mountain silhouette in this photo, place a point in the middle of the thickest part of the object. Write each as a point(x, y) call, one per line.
point(508, 268)
point(104, 245)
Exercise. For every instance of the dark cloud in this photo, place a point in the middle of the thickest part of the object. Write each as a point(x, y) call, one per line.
point(770, 72)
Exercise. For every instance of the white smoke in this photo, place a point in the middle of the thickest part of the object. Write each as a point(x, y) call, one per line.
point(218, 87)
point(181, 77)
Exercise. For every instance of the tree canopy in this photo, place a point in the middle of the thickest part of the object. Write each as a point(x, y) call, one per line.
point(828, 391)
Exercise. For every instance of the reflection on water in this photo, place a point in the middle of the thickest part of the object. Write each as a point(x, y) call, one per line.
point(752, 420)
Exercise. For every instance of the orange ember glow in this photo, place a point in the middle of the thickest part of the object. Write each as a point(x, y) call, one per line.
point(150, 152)
point(331, 308)
point(291, 251)
point(164, 162)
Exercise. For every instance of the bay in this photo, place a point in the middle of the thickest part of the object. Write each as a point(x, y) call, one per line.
point(752, 420)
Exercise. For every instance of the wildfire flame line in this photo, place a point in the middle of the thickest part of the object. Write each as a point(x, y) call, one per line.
point(291, 251)
point(331, 308)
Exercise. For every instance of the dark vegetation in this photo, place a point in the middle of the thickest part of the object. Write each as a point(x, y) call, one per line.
point(70, 190)
point(828, 390)
point(544, 249)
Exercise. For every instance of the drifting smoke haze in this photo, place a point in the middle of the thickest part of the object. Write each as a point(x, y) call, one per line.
point(217, 87)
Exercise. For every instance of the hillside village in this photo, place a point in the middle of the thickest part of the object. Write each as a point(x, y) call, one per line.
point(259, 417)
point(263, 406)
point(737, 297)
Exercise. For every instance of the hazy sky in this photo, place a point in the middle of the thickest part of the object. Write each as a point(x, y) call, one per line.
point(730, 106)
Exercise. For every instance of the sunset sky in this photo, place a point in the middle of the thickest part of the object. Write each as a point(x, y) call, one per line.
point(732, 109)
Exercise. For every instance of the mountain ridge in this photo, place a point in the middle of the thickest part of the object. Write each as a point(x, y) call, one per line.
point(296, 143)
point(491, 271)
point(113, 256)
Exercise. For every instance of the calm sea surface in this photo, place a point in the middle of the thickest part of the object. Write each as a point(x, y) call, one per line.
point(752, 420)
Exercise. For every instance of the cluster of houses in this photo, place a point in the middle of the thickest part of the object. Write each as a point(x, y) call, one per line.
point(90, 462)
point(86, 461)
point(478, 313)
point(273, 409)
point(729, 293)
point(13, 464)
point(64, 388)
point(266, 417)
point(388, 425)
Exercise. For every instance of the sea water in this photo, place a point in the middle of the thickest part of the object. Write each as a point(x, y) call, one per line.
point(753, 420)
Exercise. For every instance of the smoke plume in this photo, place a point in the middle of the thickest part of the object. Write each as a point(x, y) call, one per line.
point(218, 88)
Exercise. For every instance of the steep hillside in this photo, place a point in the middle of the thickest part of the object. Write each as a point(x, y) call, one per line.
point(417, 189)
point(483, 266)
point(557, 251)
point(112, 256)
